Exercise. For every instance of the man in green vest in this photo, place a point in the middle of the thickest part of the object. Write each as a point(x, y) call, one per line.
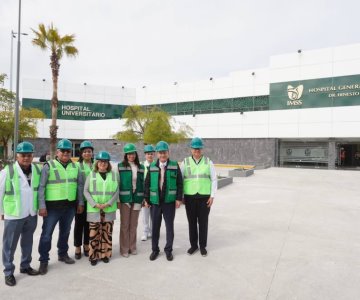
point(200, 185)
point(19, 183)
point(60, 195)
point(163, 192)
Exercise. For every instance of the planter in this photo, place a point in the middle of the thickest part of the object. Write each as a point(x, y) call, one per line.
point(262, 166)
point(224, 181)
point(241, 172)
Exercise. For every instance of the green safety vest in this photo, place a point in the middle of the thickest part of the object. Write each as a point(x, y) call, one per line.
point(126, 187)
point(197, 177)
point(102, 191)
point(171, 186)
point(62, 183)
point(11, 200)
point(85, 171)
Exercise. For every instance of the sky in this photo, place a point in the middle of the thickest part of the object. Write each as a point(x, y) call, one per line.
point(155, 42)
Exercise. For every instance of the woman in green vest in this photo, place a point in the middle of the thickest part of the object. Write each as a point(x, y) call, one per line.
point(131, 198)
point(81, 228)
point(102, 193)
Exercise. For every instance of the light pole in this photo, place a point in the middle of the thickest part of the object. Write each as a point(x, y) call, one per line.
point(17, 101)
point(13, 35)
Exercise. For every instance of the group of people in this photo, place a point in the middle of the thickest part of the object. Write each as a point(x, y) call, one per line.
point(91, 191)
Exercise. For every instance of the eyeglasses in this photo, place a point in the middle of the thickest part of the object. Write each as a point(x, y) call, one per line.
point(65, 150)
point(25, 155)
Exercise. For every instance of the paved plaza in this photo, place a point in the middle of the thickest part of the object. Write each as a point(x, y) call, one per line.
point(279, 234)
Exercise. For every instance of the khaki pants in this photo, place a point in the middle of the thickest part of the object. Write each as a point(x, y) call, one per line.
point(128, 227)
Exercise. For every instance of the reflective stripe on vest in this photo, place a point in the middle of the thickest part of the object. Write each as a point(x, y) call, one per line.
point(62, 182)
point(197, 177)
point(12, 198)
point(102, 190)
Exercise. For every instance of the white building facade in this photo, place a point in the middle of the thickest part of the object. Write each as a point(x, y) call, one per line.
point(304, 109)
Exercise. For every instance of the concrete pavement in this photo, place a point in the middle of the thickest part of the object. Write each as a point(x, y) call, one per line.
point(279, 234)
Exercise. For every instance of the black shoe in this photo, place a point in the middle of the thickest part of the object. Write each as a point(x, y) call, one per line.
point(10, 280)
point(43, 268)
point(93, 262)
point(105, 260)
point(86, 252)
point(78, 255)
point(192, 250)
point(154, 255)
point(203, 252)
point(66, 259)
point(169, 256)
point(30, 271)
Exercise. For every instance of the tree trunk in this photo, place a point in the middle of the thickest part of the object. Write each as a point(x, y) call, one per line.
point(5, 144)
point(54, 104)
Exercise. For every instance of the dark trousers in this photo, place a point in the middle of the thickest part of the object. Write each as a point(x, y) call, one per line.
point(167, 210)
point(197, 213)
point(63, 216)
point(81, 229)
point(13, 230)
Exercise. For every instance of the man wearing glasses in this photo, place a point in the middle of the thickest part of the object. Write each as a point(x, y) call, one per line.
point(19, 184)
point(61, 184)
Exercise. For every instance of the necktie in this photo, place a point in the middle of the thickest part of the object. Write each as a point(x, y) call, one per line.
point(162, 176)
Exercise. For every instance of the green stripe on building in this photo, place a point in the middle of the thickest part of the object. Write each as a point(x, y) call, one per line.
point(315, 93)
point(68, 110)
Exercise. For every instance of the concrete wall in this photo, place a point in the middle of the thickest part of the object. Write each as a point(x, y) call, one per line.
point(226, 151)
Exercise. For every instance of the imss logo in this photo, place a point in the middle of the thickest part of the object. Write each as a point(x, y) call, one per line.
point(294, 94)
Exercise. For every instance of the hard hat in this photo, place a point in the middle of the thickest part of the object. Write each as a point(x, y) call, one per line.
point(64, 144)
point(25, 147)
point(197, 143)
point(103, 155)
point(162, 146)
point(129, 148)
point(149, 148)
point(86, 144)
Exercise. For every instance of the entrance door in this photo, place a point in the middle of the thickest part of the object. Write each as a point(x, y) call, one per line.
point(349, 155)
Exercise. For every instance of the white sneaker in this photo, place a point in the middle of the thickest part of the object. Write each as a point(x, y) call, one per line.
point(143, 237)
point(149, 235)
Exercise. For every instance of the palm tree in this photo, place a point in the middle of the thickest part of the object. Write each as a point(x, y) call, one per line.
point(50, 39)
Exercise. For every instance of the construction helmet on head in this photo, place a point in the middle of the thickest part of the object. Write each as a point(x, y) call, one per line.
point(25, 147)
point(149, 148)
point(162, 146)
point(103, 155)
point(129, 148)
point(197, 143)
point(86, 144)
point(64, 144)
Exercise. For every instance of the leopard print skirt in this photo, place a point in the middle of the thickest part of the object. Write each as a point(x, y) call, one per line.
point(100, 240)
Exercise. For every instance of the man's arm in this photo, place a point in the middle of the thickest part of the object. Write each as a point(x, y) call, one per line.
point(80, 189)
point(179, 184)
point(147, 187)
point(43, 181)
point(213, 177)
point(2, 192)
